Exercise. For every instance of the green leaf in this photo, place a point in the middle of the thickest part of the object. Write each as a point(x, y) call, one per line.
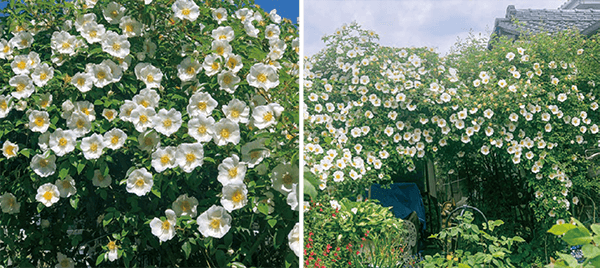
point(571, 261)
point(80, 168)
point(561, 229)
point(107, 219)
point(309, 189)
point(263, 208)
point(596, 228)
point(577, 236)
point(100, 259)
point(63, 173)
point(187, 249)
point(156, 192)
point(272, 222)
point(590, 251)
point(595, 261)
point(74, 202)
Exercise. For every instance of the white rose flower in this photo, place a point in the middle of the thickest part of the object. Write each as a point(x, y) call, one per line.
point(39, 121)
point(99, 180)
point(66, 187)
point(201, 104)
point(148, 141)
point(284, 177)
point(9, 204)
point(264, 116)
point(47, 194)
point(116, 45)
point(42, 74)
point(226, 131)
point(188, 69)
point(23, 85)
point(223, 33)
point(294, 240)
point(114, 138)
point(215, 222)
point(231, 170)
point(92, 146)
point(185, 206)
point(235, 196)
point(185, 9)
point(164, 158)
point(189, 156)
point(254, 152)
point(164, 230)
point(263, 76)
point(139, 182)
point(113, 12)
point(167, 122)
point(141, 118)
point(201, 128)
point(237, 111)
point(62, 142)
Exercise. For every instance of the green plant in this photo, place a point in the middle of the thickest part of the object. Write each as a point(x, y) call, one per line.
point(468, 245)
point(157, 132)
point(576, 234)
point(340, 229)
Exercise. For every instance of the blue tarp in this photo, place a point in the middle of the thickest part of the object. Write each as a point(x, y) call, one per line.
point(404, 198)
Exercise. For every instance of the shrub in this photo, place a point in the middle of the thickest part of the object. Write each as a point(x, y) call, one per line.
point(148, 133)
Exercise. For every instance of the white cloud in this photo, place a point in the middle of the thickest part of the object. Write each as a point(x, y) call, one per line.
point(433, 23)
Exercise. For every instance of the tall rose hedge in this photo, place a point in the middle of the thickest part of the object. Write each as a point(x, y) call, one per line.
point(148, 133)
point(372, 110)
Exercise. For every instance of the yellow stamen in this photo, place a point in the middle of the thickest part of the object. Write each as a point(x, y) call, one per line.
point(62, 142)
point(39, 121)
point(225, 133)
point(261, 77)
point(237, 196)
point(111, 245)
point(215, 223)
point(22, 65)
point(48, 195)
point(166, 225)
point(233, 172)
point(268, 116)
point(165, 159)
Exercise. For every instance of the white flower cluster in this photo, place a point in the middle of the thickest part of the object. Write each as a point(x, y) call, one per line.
point(207, 119)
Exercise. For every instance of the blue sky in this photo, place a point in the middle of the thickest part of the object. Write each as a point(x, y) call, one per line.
point(285, 8)
point(406, 23)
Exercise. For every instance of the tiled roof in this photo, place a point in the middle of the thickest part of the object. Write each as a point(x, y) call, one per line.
point(587, 21)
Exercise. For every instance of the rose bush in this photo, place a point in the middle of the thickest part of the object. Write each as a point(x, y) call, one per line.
point(371, 110)
point(148, 133)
